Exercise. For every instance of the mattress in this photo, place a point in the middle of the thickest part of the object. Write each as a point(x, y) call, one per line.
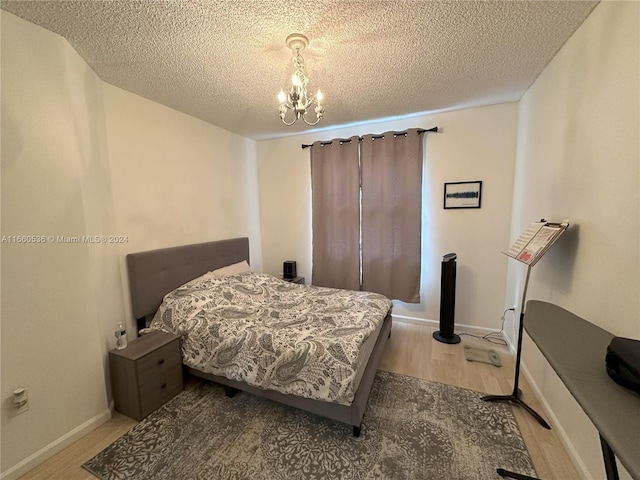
point(307, 341)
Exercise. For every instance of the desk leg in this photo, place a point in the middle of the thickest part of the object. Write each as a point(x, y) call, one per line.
point(609, 460)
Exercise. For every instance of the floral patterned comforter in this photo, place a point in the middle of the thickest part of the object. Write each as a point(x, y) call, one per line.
point(295, 339)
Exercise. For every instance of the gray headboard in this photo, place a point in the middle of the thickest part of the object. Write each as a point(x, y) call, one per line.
point(155, 273)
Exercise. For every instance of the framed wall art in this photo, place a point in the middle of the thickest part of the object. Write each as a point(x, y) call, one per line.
point(463, 194)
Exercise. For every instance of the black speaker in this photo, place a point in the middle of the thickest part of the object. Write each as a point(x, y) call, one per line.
point(447, 300)
point(289, 269)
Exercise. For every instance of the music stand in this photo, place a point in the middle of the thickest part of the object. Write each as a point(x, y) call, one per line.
point(515, 395)
point(528, 249)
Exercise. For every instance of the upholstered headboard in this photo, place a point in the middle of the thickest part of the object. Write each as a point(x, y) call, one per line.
point(155, 273)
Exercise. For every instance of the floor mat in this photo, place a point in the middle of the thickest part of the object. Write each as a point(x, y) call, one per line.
point(475, 354)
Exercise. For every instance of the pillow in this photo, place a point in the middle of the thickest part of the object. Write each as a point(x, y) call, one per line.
point(203, 277)
point(232, 269)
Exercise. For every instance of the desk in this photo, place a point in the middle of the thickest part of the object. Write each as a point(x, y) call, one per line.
point(575, 349)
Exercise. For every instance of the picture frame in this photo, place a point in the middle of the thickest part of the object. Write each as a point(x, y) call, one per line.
point(463, 194)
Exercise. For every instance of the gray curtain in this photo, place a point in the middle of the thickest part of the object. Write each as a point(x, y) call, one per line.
point(335, 178)
point(391, 171)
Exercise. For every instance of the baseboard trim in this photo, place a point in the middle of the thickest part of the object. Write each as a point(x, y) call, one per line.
point(54, 447)
point(436, 324)
point(414, 320)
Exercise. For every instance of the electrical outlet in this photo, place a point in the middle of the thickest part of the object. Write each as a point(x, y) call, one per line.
point(17, 403)
point(22, 409)
point(20, 401)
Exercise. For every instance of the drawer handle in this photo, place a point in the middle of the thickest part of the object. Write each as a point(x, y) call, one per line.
point(164, 385)
point(161, 361)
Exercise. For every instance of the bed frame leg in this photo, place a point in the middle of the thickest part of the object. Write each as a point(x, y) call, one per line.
point(230, 391)
point(356, 430)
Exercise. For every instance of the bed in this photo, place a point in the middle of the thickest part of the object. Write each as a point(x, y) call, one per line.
point(159, 273)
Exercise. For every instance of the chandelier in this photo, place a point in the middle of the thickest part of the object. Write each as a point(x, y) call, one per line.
point(298, 100)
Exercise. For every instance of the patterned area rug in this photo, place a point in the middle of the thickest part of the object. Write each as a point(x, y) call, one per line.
point(412, 429)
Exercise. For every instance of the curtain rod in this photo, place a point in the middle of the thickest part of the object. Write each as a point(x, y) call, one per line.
point(420, 130)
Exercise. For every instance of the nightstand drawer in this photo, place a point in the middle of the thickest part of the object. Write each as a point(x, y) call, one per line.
point(153, 365)
point(157, 391)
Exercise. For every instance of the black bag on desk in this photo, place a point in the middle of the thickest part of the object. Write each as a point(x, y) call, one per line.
point(623, 362)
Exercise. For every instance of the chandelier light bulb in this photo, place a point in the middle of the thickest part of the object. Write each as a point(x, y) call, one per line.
point(282, 97)
point(319, 97)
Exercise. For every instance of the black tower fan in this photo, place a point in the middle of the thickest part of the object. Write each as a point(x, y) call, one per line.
point(447, 300)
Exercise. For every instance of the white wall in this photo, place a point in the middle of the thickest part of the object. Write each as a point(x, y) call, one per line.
point(177, 180)
point(473, 144)
point(53, 151)
point(80, 157)
point(578, 158)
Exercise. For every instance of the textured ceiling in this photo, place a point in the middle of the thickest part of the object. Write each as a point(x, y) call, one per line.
point(225, 61)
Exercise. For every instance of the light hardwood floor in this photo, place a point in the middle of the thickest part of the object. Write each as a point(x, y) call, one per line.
point(411, 351)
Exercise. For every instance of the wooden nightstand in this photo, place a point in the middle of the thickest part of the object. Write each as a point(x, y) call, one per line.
point(146, 374)
point(299, 280)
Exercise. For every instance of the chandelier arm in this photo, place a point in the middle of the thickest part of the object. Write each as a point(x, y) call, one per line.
point(288, 124)
point(311, 123)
